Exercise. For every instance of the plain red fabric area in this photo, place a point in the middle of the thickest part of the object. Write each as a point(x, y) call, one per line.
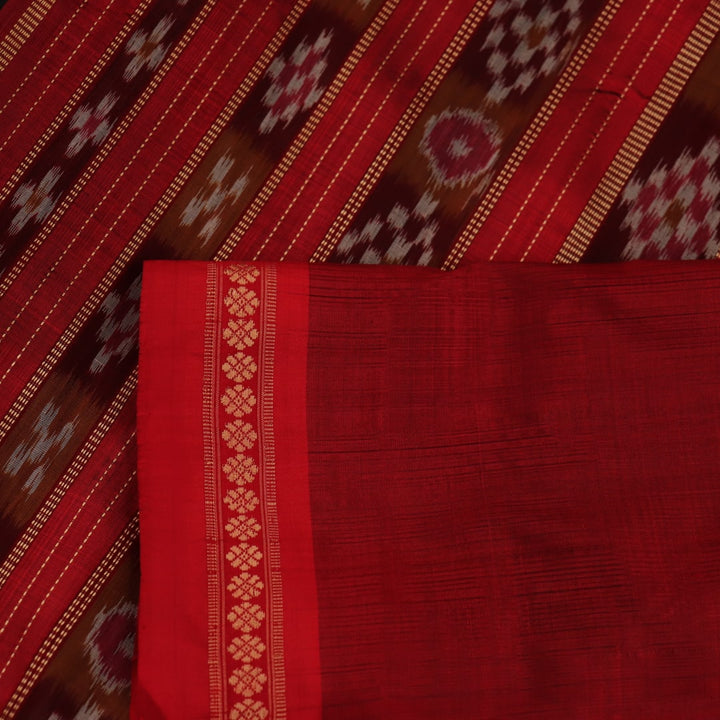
point(487, 494)
point(171, 678)
point(289, 409)
point(513, 476)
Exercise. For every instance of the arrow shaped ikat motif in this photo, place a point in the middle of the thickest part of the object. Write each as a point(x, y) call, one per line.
point(212, 203)
point(91, 124)
point(404, 235)
point(34, 201)
point(118, 332)
point(527, 43)
point(147, 49)
point(35, 454)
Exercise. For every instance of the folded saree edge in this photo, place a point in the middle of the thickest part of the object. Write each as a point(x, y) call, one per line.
point(228, 364)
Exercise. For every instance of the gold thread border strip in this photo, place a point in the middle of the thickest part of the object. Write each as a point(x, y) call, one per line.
point(276, 660)
point(291, 154)
point(541, 119)
point(637, 142)
point(111, 142)
point(91, 304)
point(21, 31)
point(399, 133)
point(245, 303)
point(90, 590)
point(211, 487)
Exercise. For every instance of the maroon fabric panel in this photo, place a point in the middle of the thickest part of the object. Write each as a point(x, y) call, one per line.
point(514, 494)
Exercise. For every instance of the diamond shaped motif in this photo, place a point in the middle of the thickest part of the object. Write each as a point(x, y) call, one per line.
point(526, 42)
point(295, 82)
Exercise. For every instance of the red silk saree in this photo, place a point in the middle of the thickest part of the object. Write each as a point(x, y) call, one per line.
point(402, 493)
point(401, 132)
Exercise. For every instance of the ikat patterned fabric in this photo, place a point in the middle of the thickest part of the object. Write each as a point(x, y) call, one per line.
point(354, 131)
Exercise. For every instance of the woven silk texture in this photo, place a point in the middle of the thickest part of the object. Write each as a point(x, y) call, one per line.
point(397, 493)
point(394, 132)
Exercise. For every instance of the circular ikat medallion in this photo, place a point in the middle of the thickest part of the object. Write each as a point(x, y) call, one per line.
point(460, 145)
point(110, 645)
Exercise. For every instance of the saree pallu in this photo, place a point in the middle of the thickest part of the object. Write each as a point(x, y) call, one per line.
point(401, 493)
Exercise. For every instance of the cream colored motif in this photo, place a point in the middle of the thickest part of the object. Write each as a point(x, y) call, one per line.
point(243, 501)
point(240, 333)
point(35, 453)
point(246, 586)
point(147, 49)
point(249, 710)
point(242, 527)
point(247, 678)
point(218, 195)
point(240, 367)
point(240, 470)
point(239, 435)
point(35, 201)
